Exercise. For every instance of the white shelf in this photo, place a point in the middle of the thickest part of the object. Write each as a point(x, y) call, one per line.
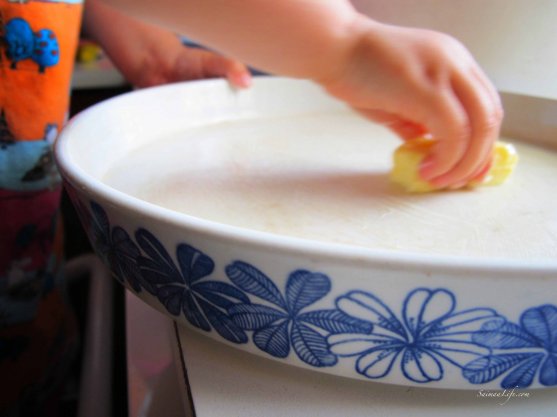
point(228, 382)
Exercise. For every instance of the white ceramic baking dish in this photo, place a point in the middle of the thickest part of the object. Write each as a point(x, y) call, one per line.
point(265, 219)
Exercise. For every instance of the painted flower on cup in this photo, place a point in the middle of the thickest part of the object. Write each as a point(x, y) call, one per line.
point(428, 335)
point(519, 351)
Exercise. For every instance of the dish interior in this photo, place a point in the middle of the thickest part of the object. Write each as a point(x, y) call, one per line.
point(322, 174)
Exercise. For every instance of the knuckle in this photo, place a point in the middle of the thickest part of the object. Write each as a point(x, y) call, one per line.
point(493, 119)
point(499, 113)
point(446, 44)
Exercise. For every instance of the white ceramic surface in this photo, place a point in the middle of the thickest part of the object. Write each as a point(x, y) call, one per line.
point(454, 302)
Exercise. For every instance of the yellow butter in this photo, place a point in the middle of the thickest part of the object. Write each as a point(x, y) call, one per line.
point(408, 156)
point(505, 159)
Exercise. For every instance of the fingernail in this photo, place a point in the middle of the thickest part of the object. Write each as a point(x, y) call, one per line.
point(242, 80)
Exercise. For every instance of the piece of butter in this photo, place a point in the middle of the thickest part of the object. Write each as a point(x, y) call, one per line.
point(408, 156)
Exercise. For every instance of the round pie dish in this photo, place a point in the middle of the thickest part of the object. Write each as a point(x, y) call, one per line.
point(261, 243)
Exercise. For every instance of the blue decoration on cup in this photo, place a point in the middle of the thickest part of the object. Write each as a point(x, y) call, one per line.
point(429, 336)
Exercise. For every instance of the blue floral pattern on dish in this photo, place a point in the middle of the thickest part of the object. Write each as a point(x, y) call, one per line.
point(428, 336)
point(522, 351)
point(282, 325)
point(183, 289)
point(117, 249)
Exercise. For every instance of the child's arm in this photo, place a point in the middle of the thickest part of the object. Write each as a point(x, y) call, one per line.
point(149, 55)
point(414, 81)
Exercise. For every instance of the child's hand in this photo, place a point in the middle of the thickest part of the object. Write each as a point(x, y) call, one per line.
point(418, 82)
point(174, 62)
point(149, 55)
point(415, 81)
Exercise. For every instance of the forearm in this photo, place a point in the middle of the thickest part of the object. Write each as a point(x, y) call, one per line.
point(103, 24)
point(126, 40)
point(298, 38)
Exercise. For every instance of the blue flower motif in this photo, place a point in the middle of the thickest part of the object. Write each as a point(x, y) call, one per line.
point(117, 249)
point(523, 351)
point(276, 329)
point(81, 209)
point(429, 333)
point(182, 289)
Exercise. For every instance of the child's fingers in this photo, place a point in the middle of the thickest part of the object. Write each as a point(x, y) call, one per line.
point(238, 74)
point(240, 79)
point(235, 72)
point(448, 123)
point(483, 171)
point(477, 176)
point(485, 119)
point(481, 78)
point(439, 113)
point(405, 129)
